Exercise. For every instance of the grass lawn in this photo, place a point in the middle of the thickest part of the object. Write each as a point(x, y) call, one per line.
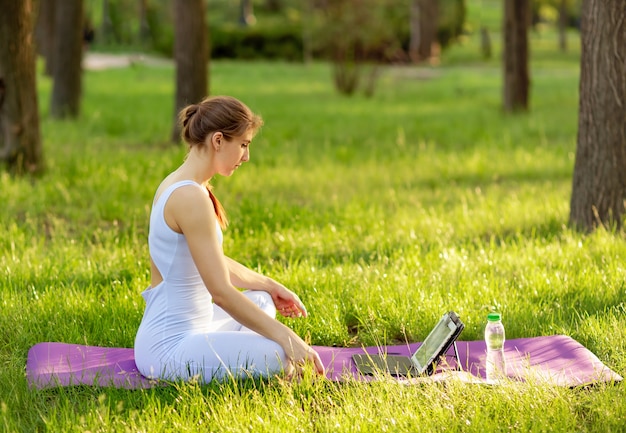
point(382, 213)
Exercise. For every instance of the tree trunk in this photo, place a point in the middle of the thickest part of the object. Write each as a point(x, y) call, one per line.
point(106, 27)
point(516, 77)
point(68, 54)
point(144, 27)
point(485, 43)
point(599, 181)
point(190, 55)
point(307, 38)
point(45, 33)
point(414, 31)
point(423, 29)
point(563, 25)
point(246, 13)
point(20, 137)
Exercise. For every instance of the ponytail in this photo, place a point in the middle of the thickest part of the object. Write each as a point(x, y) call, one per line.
point(220, 213)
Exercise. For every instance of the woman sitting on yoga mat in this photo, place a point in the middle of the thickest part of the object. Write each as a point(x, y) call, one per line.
point(196, 322)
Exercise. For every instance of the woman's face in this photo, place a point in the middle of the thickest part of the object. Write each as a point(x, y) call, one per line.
point(230, 154)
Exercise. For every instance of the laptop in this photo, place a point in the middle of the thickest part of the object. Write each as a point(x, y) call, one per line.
point(424, 360)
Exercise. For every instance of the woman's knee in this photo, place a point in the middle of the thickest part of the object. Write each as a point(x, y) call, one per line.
point(262, 299)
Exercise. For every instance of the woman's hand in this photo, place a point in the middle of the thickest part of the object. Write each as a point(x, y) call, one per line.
point(298, 354)
point(287, 303)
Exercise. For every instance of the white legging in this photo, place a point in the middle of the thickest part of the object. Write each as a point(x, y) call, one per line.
point(228, 349)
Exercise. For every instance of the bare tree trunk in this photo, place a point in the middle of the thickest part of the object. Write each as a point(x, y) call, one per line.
point(414, 31)
point(106, 28)
point(599, 181)
point(423, 28)
point(485, 43)
point(516, 76)
point(45, 33)
point(246, 13)
point(307, 39)
point(429, 19)
point(191, 56)
point(68, 54)
point(563, 25)
point(144, 28)
point(20, 137)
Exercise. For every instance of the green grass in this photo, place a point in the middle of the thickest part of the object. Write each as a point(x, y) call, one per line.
point(381, 213)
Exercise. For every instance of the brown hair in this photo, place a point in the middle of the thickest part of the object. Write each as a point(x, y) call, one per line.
point(225, 114)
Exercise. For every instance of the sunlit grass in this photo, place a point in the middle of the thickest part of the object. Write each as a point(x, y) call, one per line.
point(381, 212)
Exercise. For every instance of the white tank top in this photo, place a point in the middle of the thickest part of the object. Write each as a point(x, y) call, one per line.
point(181, 304)
point(169, 249)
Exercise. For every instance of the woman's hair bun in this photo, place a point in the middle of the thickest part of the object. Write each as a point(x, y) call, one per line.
point(189, 112)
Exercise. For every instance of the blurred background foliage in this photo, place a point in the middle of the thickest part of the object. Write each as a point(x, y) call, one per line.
point(284, 29)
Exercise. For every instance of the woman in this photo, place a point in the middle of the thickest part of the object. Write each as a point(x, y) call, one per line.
point(196, 322)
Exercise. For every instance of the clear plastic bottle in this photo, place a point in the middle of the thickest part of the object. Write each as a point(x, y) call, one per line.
point(494, 337)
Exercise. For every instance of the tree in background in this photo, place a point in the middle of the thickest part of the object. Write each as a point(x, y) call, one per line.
point(307, 10)
point(191, 56)
point(423, 29)
point(106, 26)
point(563, 14)
point(485, 43)
point(68, 54)
point(356, 35)
point(124, 22)
point(246, 13)
point(562, 25)
point(515, 62)
point(144, 26)
point(45, 33)
point(20, 138)
point(599, 182)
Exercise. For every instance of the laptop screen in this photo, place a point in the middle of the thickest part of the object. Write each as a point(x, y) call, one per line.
point(432, 345)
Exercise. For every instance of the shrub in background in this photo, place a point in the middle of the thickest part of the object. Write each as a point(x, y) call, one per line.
point(355, 35)
point(257, 42)
point(278, 32)
point(161, 28)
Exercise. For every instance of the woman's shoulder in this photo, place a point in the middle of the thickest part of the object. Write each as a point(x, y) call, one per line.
point(183, 187)
point(184, 204)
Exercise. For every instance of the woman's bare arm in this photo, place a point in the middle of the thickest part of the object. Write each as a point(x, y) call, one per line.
point(192, 212)
point(286, 301)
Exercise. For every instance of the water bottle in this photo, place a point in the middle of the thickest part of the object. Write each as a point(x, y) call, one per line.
point(494, 337)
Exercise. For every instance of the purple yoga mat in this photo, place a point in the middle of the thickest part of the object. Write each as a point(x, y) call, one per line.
point(62, 364)
point(557, 360)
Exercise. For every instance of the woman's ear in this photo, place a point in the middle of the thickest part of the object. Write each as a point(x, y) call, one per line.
point(216, 140)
